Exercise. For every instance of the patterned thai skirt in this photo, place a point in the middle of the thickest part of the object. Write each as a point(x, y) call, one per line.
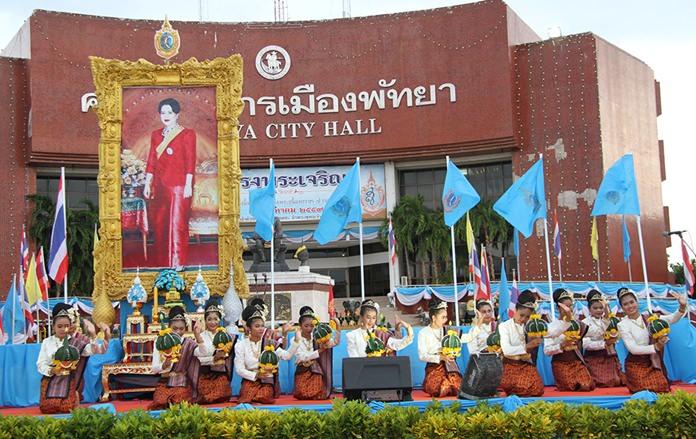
point(438, 382)
point(308, 385)
point(254, 391)
point(58, 405)
point(521, 378)
point(572, 376)
point(213, 388)
point(641, 375)
point(605, 369)
point(165, 396)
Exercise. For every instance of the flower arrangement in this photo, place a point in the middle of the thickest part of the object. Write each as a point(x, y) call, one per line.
point(493, 342)
point(451, 344)
point(268, 361)
point(66, 358)
point(536, 327)
point(222, 342)
point(375, 346)
point(168, 343)
point(612, 330)
point(657, 326)
point(132, 169)
point(322, 331)
point(169, 279)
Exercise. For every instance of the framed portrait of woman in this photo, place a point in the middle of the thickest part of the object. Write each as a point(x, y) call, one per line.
point(169, 174)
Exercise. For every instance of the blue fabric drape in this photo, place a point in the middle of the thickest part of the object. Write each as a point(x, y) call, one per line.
point(21, 382)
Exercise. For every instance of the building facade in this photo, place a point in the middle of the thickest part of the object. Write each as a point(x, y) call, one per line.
point(401, 91)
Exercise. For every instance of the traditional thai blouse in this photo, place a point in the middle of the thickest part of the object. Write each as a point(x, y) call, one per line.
point(357, 342)
point(636, 336)
point(205, 351)
point(430, 342)
point(201, 351)
point(247, 353)
point(594, 339)
point(306, 352)
point(50, 345)
point(512, 339)
point(480, 341)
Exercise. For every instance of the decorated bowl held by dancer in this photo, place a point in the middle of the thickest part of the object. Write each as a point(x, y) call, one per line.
point(535, 326)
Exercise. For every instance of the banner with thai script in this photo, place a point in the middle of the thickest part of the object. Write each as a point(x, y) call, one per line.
point(302, 193)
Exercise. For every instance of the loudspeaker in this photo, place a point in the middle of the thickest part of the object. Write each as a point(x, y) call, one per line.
point(377, 379)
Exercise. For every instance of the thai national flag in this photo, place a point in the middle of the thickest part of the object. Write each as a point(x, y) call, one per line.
point(41, 275)
point(476, 270)
point(688, 271)
point(557, 238)
point(514, 296)
point(58, 257)
point(392, 243)
point(24, 254)
point(484, 291)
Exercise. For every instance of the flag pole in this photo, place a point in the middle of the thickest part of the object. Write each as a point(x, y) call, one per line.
point(14, 308)
point(454, 264)
point(454, 277)
point(65, 222)
point(270, 165)
point(548, 267)
point(362, 260)
point(645, 271)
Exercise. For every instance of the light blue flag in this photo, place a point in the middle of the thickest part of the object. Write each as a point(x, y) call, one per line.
point(626, 241)
point(262, 206)
point(525, 201)
point(618, 192)
point(458, 195)
point(516, 242)
point(342, 208)
point(504, 298)
point(12, 309)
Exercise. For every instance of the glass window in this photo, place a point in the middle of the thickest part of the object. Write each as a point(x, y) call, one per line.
point(489, 180)
point(78, 189)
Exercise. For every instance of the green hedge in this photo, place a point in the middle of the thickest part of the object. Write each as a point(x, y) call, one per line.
point(671, 416)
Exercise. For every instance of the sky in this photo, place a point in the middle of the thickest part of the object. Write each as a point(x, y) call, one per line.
point(660, 33)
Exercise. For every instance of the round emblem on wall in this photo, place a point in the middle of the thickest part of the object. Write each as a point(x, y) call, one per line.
point(272, 62)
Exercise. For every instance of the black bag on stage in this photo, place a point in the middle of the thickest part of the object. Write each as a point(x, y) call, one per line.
point(482, 377)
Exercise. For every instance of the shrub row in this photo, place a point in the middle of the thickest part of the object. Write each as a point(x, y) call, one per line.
point(671, 416)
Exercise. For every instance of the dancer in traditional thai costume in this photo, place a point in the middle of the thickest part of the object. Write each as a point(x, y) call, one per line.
point(179, 373)
point(313, 376)
point(58, 360)
point(357, 338)
point(442, 374)
point(645, 368)
point(520, 375)
point(600, 354)
point(258, 385)
point(485, 320)
point(101, 345)
point(216, 369)
point(567, 363)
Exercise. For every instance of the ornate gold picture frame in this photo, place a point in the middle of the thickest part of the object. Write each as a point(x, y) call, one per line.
point(111, 77)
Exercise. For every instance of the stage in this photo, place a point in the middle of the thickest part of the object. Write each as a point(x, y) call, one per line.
point(612, 399)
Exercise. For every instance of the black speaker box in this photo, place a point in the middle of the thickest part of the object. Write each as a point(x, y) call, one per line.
point(377, 379)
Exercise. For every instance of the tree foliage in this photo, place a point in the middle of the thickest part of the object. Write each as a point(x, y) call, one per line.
point(80, 231)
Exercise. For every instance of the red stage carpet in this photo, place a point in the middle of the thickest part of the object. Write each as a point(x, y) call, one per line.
point(288, 400)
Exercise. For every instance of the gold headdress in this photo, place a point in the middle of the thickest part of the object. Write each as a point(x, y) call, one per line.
point(624, 291)
point(440, 305)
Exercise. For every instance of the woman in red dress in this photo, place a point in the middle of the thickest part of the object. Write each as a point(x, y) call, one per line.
point(169, 183)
